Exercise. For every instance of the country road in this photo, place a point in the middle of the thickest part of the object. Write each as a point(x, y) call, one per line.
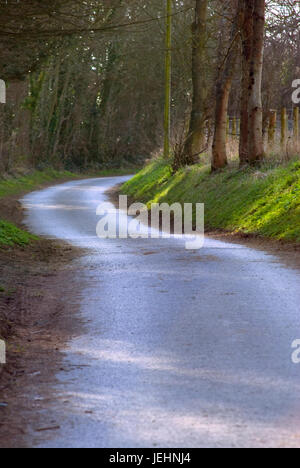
point(180, 348)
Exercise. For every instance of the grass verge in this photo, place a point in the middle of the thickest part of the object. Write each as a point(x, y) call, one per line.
point(10, 235)
point(264, 202)
point(15, 185)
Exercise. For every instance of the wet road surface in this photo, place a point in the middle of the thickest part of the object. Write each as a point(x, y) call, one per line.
point(181, 348)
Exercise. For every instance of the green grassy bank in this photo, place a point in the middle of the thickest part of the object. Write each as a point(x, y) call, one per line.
point(10, 234)
point(16, 185)
point(264, 202)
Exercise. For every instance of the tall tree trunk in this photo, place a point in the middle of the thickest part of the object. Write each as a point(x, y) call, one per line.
point(219, 158)
point(168, 80)
point(247, 40)
point(251, 141)
point(60, 113)
point(256, 146)
point(196, 137)
point(223, 88)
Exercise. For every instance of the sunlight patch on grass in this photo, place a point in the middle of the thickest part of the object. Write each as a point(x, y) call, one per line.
point(265, 202)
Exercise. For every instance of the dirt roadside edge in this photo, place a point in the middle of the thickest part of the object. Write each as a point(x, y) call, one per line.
point(38, 315)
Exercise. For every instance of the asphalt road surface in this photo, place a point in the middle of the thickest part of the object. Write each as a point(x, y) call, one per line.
point(181, 348)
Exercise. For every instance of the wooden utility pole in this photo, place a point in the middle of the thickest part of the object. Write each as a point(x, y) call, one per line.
point(168, 76)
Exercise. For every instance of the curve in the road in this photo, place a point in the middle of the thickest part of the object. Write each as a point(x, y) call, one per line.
point(181, 348)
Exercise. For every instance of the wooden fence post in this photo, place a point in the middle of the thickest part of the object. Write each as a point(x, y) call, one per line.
point(272, 127)
point(228, 127)
point(296, 124)
point(283, 126)
point(234, 132)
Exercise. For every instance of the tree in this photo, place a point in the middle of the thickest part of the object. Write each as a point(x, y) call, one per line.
point(168, 78)
point(253, 32)
point(29, 28)
point(92, 76)
point(196, 138)
point(223, 88)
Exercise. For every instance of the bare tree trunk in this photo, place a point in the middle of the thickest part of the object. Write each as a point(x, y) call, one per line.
point(247, 40)
point(60, 113)
point(251, 141)
point(219, 159)
point(168, 80)
point(256, 146)
point(196, 136)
